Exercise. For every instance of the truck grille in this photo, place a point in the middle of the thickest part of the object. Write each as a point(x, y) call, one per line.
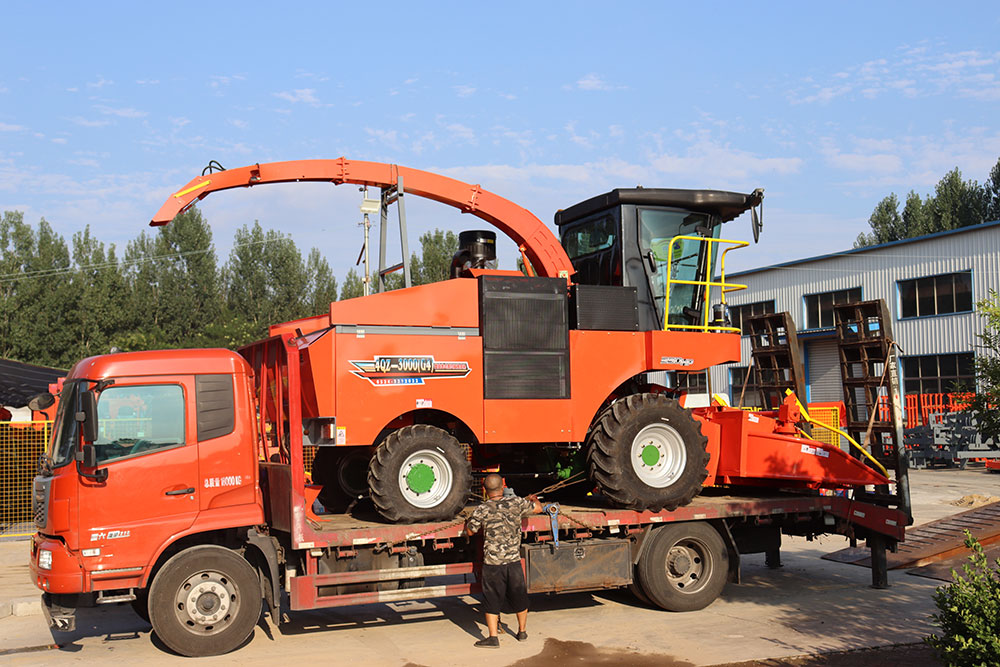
point(40, 500)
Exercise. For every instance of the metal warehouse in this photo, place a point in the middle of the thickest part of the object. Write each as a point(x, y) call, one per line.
point(931, 285)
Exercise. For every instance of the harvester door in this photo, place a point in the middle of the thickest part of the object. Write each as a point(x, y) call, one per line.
point(668, 240)
point(145, 443)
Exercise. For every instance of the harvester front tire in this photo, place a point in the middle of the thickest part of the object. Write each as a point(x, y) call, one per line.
point(205, 601)
point(419, 473)
point(684, 567)
point(647, 452)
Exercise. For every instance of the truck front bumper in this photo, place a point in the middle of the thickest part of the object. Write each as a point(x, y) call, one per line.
point(64, 573)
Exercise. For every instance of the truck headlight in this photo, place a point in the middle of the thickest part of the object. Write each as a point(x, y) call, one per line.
point(44, 559)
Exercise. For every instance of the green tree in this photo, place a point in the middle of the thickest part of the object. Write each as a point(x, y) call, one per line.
point(266, 280)
point(321, 281)
point(987, 396)
point(957, 203)
point(992, 188)
point(35, 292)
point(100, 297)
point(436, 250)
point(916, 218)
point(885, 222)
point(353, 287)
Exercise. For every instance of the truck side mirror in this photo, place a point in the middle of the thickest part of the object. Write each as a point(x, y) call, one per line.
point(87, 416)
point(40, 402)
point(89, 456)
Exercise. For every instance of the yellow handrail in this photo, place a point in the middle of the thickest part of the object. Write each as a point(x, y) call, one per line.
point(707, 284)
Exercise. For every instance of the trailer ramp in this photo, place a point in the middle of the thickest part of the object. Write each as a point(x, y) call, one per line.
point(936, 542)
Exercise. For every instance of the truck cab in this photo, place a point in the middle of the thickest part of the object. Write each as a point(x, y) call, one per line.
point(147, 448)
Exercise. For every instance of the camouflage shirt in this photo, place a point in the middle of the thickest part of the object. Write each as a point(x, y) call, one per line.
point(501, 523)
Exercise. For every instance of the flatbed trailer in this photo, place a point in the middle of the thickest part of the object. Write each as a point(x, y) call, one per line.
point(617, 537)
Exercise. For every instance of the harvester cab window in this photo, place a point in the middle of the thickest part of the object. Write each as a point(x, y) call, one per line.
point(593, 236)
point(686, 260)
point(135, 420)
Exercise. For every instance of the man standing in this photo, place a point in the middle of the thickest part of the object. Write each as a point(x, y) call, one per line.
point(503, 580)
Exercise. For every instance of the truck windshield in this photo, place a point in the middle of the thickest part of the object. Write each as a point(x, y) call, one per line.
point(657, 229)
point(64, 429)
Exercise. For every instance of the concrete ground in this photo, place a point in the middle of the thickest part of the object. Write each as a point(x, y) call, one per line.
point(808, 607)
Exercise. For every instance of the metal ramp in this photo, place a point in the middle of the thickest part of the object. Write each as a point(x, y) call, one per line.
point(937, 546)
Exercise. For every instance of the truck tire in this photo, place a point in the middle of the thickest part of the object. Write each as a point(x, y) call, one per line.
point(646, 452)
point(205, 601)
point(343, 474)
point(419, 473)
point(685, 566)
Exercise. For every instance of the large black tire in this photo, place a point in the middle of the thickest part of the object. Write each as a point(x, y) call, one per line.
point(205, 601)
point(685, 567)
point(343, 474)
point(644, 451)
point(419, 473)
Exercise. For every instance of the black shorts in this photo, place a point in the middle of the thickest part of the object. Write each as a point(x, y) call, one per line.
point(504, 589)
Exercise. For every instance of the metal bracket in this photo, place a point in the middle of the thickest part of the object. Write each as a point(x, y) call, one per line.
point(552, 509)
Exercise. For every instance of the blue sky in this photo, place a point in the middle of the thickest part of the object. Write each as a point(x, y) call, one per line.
point(107, 108)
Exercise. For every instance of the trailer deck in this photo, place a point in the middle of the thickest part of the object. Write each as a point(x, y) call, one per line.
point(344, 530)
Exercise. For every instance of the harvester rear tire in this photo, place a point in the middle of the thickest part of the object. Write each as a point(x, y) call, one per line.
point(419, 473)
point(684, 567)
point(343, 474)
point(645, 451)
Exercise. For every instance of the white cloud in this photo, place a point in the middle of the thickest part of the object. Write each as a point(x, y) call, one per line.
point(4, 127)
point(303, 95)
point(389, 138)
point(59, 140)
point(593, 81)
point(881, 162)
point(912, 72)
point(100, 83)
point(121, 112)
point(86, 122)
point(616, 131)
point(465, 91)
point(462, 133)
point(147, 82)
point(220, 81)
point(241, 124)
point(180, 121)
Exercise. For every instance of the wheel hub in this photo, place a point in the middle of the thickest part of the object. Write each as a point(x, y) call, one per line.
point(659, 455)
point(206, 601)
point(679, 563)
point(420, 478)
point(425, 478)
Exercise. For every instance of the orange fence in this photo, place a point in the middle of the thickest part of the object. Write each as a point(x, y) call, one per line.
point(919, 407)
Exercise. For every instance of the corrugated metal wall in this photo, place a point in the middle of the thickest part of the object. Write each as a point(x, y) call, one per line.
point(877, 271)
point(823, 361)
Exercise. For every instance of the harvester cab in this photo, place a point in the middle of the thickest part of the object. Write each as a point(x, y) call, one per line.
point(664, 242)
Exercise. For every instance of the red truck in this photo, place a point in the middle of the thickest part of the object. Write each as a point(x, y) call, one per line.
point(334, 460)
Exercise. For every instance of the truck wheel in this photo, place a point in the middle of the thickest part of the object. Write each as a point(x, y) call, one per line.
point(647, 452)
point(636, 589)
point(685, 567)
point(419, 473)
point(204, 601)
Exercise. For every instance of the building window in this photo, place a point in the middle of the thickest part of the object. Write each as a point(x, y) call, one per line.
point(938, 373)
point(739, 314)
point(936, 295)
point(819, 307)
point(751, 396)
point(693, 383)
